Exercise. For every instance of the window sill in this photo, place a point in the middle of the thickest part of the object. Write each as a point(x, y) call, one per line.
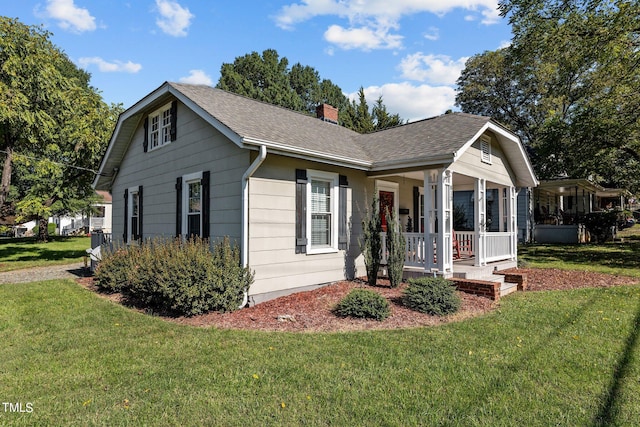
point(317, 251)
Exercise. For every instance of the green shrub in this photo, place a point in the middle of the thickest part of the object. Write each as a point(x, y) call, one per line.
point(363, 303)
point(180, 277)
point(371, 242)
point(112, 272)
point(431, 295)
point(396, 248)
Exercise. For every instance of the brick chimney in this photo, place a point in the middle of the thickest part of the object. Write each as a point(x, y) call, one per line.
point(327, 113)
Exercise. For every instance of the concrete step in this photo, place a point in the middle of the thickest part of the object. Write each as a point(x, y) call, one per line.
point(508, 288)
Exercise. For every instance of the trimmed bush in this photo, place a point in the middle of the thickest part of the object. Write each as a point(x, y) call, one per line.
point(175, 276)
point(363, 303)
point(396, 249)
point(431, 295)
point(112, 272)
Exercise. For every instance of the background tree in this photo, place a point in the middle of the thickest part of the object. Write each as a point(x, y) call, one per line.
point(54, 127)
point(569, 84)
point(268, 78)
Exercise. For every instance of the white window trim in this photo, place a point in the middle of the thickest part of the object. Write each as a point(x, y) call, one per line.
point(186, 179)
point(158, 113)
point(485, 149)
point(334, 179)
point(131, 191)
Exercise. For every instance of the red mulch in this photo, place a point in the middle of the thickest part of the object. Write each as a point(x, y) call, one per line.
point(310, 311)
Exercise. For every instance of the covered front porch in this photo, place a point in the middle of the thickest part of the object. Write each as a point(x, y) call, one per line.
point(455, 225)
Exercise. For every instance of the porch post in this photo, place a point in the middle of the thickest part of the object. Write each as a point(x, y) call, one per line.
point(512, 226)
point(444, 244)
point(480, 214)
point(429, 220)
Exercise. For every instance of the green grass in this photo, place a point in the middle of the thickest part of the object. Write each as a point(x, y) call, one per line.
point(26, 253)
point(611, 257)
point(555, 358)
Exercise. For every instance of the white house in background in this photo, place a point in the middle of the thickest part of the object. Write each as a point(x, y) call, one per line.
point(292, 189)
point(79, 223)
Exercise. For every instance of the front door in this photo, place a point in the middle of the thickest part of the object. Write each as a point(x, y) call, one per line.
point(386, 205)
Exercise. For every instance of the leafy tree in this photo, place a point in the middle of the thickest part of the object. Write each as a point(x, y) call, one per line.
point(569, 84)
point(268, 78)
point(53, 126)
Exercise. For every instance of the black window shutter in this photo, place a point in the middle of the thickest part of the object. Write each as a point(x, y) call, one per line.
point(125, 233)
point(173, 132)
point(301, 211)
point(178, 206)
point(140, 204)
point(342, 213)
point(416, 209)
point(145, 141)
point(206, 204)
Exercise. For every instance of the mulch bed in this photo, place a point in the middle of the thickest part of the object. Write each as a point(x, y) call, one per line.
point(310, 311)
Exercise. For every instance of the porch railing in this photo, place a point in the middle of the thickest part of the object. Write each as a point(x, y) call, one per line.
point(498, 246)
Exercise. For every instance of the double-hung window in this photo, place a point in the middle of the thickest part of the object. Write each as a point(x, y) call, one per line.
point(322, 212)
point(133, 214)
point(160, 127)
point(193, 210)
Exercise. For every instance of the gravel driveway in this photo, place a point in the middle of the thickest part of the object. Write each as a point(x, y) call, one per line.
point(67, 271)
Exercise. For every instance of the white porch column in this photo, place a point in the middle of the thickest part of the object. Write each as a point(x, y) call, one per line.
point(445, 222)
point(429, 218)
point(480, 225)
point(512, 226)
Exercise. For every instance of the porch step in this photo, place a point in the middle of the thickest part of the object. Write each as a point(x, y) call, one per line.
point(506, 288)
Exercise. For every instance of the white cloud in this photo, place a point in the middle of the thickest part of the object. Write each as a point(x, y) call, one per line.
point(110, 67)
point(409, 101)
point(197, 77)
point(435, 69)
point(433, 34)
point(376, 18)
point(174, 19)
point(362, 38)
point(69, 16)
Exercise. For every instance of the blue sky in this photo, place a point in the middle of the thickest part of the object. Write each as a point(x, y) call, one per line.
point(409, 51)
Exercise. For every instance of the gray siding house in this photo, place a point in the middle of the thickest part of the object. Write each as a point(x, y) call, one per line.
point(292, 189)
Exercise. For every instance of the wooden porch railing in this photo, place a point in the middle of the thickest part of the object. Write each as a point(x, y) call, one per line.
point(498, 246)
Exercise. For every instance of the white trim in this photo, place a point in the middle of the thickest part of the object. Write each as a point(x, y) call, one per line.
point(334, 180)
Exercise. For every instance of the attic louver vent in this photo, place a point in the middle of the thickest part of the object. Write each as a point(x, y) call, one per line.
point(485, 148)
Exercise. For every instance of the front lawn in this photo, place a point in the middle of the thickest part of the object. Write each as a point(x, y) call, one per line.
point(543, 358)
point(27, 253)
point(620, 257)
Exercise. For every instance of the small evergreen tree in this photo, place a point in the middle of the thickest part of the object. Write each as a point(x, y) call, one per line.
point(395, 248)
point(371, 242)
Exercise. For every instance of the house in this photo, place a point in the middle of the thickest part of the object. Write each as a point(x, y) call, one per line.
point(292, 189)
point(559, 206)
point(77, 223)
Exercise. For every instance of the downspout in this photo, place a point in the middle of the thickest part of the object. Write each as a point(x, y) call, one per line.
point(245, 212)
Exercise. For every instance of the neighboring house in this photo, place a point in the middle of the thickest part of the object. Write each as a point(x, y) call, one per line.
point(80, 223)
point(556, 208)
point(292, 189)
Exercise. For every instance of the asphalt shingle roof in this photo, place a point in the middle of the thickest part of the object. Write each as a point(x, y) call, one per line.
point(421, 140)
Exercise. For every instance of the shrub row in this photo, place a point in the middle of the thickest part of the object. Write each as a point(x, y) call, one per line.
point(175, 276)
point(431, 295)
